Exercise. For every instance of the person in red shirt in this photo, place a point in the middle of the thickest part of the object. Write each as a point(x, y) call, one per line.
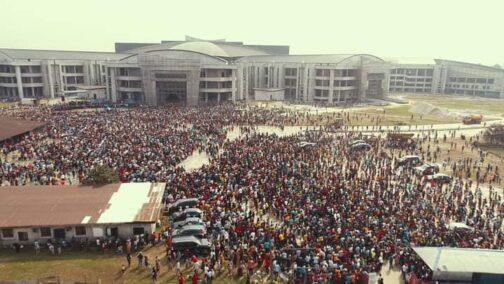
point(195, 278)
point(181, 278)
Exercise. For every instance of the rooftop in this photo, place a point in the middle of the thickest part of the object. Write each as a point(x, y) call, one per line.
point(11, 127)
point(40, 54)
point(31, 206)
point(311, 58)
point(216, 49)
point(462, 260)
point(410, 60)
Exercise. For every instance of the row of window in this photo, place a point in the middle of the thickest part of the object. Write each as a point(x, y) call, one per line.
point(130, 84)
point(336, 83)
point(45, 232)
point(290, 71)
point(290, 82)
point(216, 85)
point(393, 83)
point(410, 79)
point(337, 72)
point(471, 80)
point(416, 90)
point(74, 80)
point(325, 93)
point(73, 69)
point(129, 72)
point(465, 86)
point(23, 69)
point(216, 73)
point(28, 80)
point(413, 71)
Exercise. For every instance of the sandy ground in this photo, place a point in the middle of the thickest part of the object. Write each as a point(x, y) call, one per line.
point(195, 161)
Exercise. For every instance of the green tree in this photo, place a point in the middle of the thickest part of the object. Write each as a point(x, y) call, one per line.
point(102, 175)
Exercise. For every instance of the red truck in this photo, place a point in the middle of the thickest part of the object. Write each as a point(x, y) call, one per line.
point(472, 119)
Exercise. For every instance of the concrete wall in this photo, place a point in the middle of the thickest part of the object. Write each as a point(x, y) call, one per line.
point(269, 95)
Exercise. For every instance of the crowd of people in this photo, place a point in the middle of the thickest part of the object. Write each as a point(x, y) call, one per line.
point(316, 214)
point(332, 214)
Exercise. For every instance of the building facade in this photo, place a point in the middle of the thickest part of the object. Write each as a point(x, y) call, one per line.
point(78, 212)
point(196, 71)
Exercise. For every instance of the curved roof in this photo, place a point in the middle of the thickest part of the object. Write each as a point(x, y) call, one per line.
point(216, 49)
point(312, 58)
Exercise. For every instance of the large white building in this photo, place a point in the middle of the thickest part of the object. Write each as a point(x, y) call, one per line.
point(199, 72)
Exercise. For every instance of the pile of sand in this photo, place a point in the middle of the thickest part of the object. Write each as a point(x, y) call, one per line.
point(428, 109)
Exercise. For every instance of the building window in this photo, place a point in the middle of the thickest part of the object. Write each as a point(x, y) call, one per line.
point(35, 69)
point(7, 233)
point(430, 72)
point(23, 236)
point(80, 230)
point(45, 232)
point(490, 81)
point(138, 231)
point(290, 71)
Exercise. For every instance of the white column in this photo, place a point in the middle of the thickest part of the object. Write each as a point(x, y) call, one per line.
point(234, 84)
point(331, 86)
point(113, 92)
point(19, 82)
point(50, 77)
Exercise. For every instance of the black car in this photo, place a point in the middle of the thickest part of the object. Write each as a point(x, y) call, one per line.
point(360, 147)
point(411, 160)
point(427, 169)
point(198, 231)
point(188, 213)
point(440, 178)
point(182, 204)
point(193, 244)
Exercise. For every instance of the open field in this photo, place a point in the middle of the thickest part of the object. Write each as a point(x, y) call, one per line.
point(87, 266)
point(485, 105)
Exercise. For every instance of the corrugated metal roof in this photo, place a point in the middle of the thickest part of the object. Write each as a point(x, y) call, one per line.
point(462, 259)
point(35, 54)
point(36, 206)
point(10, 127)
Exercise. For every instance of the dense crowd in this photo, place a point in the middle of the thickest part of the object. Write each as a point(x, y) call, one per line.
point(339, 215)
point(317, 213)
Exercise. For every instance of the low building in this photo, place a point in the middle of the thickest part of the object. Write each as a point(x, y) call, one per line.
point(463, 265)
point(11, 128)
point(33, 213)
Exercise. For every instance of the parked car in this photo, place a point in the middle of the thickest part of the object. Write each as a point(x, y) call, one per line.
point(188, 221)
point(198, 231)
point(182, 204)
point(188, 213)
point(440, 178)
point(360, 147)
point(357, 142)
point(427, 169)
point(306, 144)
point(410, 160)
point(193, 244)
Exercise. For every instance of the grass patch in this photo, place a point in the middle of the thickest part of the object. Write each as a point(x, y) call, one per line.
point(87, 266)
